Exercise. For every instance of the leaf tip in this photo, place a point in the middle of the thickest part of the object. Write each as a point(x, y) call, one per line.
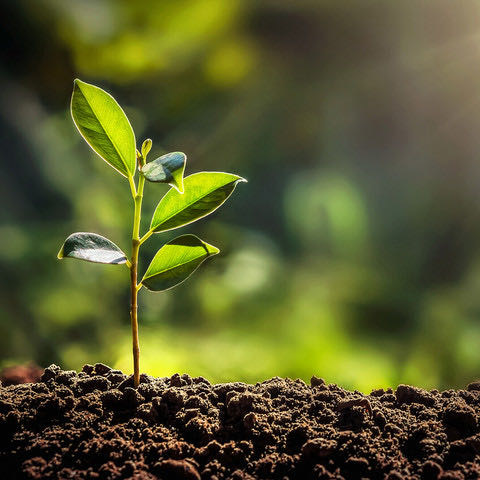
point(211, 250)
point(77, 83)
point(60, 254)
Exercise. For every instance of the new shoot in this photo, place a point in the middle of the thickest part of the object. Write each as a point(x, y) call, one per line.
point(105, 127)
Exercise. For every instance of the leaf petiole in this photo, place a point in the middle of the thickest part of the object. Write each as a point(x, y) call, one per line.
point(146, 236)
point(132, 186)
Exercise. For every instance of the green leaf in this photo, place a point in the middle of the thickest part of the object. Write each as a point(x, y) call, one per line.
point(104, 125)
point(204, 193)
point(92, 248)
point(168, 168)
point(176, 261)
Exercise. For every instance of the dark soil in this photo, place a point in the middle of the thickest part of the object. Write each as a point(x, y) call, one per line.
point(95, 425)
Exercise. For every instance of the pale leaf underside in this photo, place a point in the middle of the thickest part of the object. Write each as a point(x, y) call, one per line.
point(92, 248)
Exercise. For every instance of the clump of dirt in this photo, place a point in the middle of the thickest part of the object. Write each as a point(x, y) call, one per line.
point(94, 425)
point(17, 374)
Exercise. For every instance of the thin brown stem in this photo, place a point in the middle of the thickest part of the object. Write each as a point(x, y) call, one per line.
point(134, 313)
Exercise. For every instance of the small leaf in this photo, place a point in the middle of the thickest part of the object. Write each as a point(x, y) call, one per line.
point(204, 193)
point(92, 248)
point(104, 125)
point(146, 147)
point(168, 168)
point(176, 261)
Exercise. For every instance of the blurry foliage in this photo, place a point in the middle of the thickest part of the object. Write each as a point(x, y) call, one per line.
point(353, 253)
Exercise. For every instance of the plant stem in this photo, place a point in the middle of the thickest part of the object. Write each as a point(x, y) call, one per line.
point(134, 288)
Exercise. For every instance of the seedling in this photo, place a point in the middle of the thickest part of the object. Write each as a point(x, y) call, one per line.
point(105, 127)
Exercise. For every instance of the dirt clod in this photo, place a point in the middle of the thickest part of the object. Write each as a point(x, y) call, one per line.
point(95, 425)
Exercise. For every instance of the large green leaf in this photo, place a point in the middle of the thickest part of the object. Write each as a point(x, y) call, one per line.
point(176, 261)
point(104, 125)
point(92, 248)
point(204, 193)
point(168, 168)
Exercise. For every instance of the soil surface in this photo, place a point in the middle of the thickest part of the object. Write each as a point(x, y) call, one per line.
point(94, 425)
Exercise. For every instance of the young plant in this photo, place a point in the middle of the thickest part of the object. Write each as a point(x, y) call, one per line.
point(105, 127)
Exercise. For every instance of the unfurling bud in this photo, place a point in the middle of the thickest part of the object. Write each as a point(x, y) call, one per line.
point(146, 147)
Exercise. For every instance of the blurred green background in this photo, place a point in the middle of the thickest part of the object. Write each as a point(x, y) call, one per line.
point(353, 253)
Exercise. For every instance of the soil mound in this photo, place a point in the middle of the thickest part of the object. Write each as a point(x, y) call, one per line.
point(94, 425)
